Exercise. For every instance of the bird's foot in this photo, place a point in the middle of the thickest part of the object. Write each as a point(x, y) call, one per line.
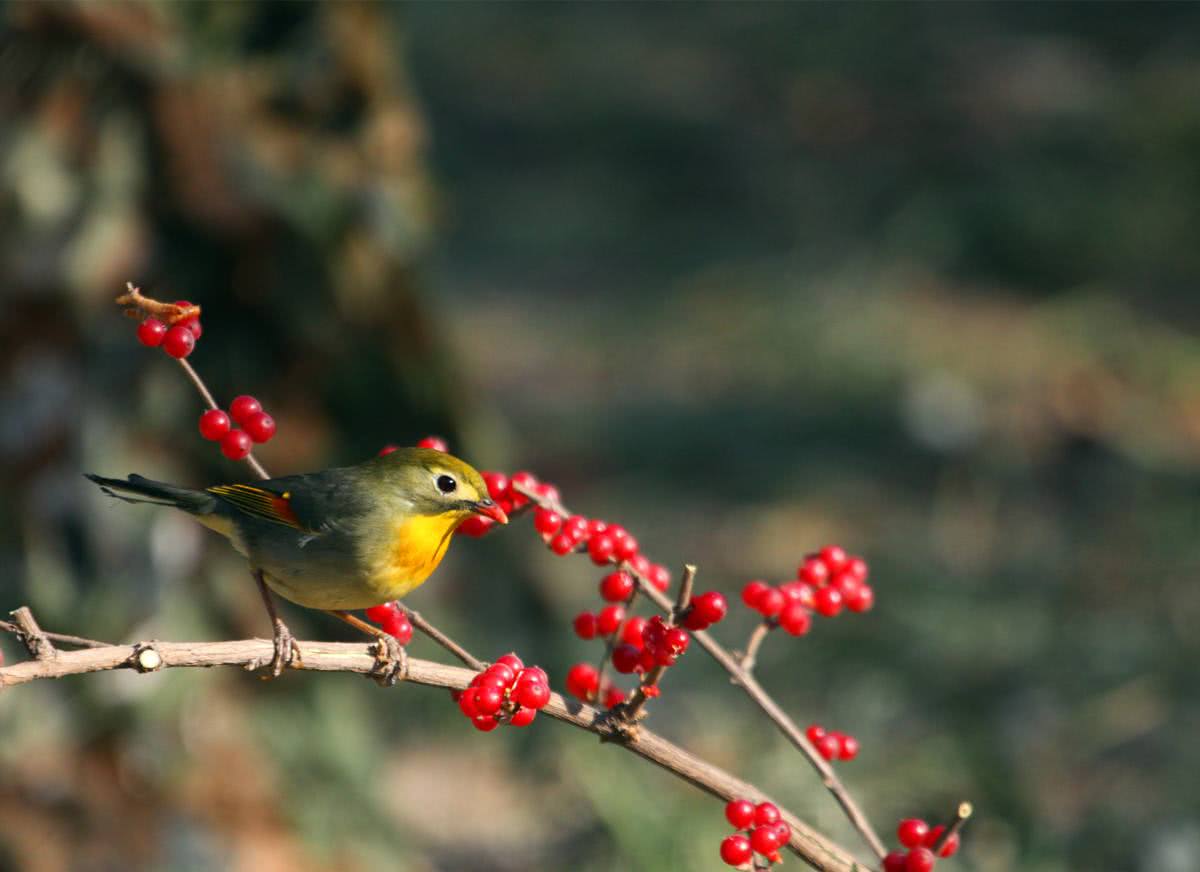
point(287, 652)
point(391, 661)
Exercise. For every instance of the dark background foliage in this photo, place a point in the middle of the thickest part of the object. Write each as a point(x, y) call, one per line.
point(918, 278)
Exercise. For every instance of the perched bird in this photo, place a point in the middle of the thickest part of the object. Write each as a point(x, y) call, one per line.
point(345, 538)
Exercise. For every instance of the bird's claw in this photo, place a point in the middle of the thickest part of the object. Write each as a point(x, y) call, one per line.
point(391, 661)
point(287, 652)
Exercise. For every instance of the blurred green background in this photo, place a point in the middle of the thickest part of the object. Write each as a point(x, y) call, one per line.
point(749, 278)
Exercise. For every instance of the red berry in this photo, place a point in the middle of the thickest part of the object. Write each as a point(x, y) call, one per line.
point(387, 449)
point(475, 526)
point(833, 557)
point(398, 626)
point(243, 407)
point(261, 427)
point(828, 601)
point(740, 813)
point(497, 484)
point(466, 702)
point(857, 567)
point(935, 835)
point(512, 661)
point(583, 680)
point(752, 591)
point(764, 840)
point(799, 591)
point(736, 850)
point(659, 576)
point(625, 658)
point(814, 733)
point(546, 491)
point(631, 633)
point(613, 696)
point(437, 443)
point(765, 814)
point(546, 522)
point(770, 602)
point(912, 832)
point(562, 544)
point(595, 525)
point(151, 332)
point(523, 716)
point(616, 586)
point(585, 625)
point(849, 749)
point(523, 479)
point(380, 613)
point(895, 861)
point(784, 830)
point(504, 674)
point(235, 444)
point(576, 527)
point(179, 342)
point(795, 619)
point(214, 424)
point(609, 619)
point(813, 571)
point(532, 694)
point(828, 746)
point(861, 599)
point(601, 548)
point(919, 860)
point(710, 606)
point(488, 700)
point(485, 723)
point(677, 640)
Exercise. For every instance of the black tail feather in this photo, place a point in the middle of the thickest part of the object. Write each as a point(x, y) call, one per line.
point(138, 489)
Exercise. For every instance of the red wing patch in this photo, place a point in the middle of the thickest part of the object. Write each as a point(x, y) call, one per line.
point(260, 503)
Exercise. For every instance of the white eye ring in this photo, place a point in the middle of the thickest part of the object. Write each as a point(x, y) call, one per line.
point(445, 484)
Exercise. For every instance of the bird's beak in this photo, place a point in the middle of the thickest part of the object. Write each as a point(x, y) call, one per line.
point(489, 509)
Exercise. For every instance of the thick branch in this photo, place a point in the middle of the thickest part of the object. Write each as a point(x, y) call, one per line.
point(814, 848)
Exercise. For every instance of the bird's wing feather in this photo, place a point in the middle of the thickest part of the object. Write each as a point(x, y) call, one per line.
point(312, 503)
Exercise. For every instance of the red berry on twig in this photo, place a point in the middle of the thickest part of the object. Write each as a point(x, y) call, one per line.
point(895, 861)
point(260, 426)
point(585, 625)
point(616, 586)
point(919, 860)
point(736, 850)
point(546, 522)
point(740, 813)
point(753, 591)
point(795, 619)
point(912, 832)
point(583, 680)
point(151, 332)
point(214, 424)
point(243, 407)
point(437, 443)
point(609, 619)
point(179, 342)
point(765, 814)
point(235, 444)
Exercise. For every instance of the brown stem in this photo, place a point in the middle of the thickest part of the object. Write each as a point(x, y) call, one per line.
point(141, 306)
point(748, 659)
point(31, 635)
point(61, 638)
point(414, 618)
point(761, 698)
point(961, 814)
point(685, 592)
point(814, 848)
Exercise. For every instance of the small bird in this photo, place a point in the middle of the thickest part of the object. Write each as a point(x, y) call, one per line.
point(345, 538)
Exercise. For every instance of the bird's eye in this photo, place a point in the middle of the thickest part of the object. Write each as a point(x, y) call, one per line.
point(446, 484)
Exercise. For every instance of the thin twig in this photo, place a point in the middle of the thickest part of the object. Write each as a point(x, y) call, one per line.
point(60, 638)
point(749, 658)
point(755, 691)
point(415, 618)
point(961, 814)
point(814, 848)
point(685, 592)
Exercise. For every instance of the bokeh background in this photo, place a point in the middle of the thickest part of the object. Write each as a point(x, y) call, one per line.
point(749, 278)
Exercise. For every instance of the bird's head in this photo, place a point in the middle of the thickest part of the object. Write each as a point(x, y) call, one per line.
point(437, 483)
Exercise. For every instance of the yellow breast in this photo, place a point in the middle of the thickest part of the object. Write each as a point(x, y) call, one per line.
point(417, 546)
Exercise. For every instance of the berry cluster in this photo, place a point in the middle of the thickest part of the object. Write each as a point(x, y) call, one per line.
point(178, 340)
point(437, 443)
point(507, 692)
point(245, 411)
point(825, 583)
point(761, 830)
point(832, 745)
point(392, 620)
point(921, 841)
